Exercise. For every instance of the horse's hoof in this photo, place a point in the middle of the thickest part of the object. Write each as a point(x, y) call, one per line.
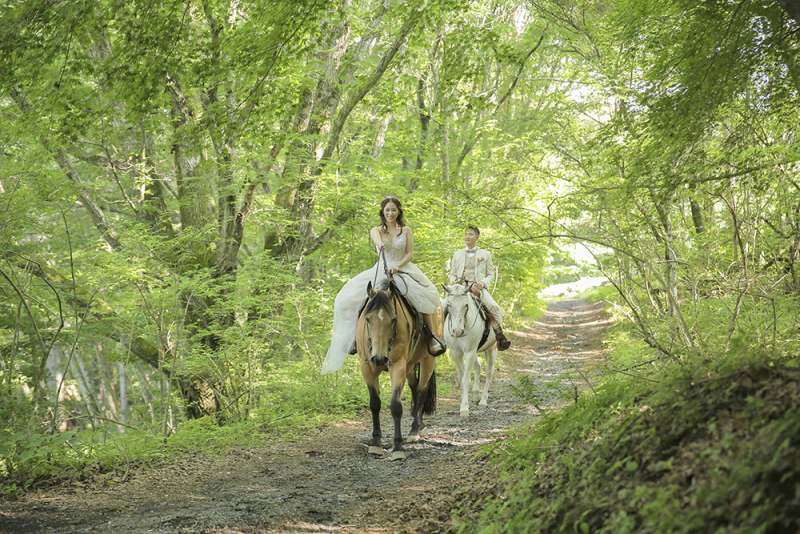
point(464, 413)
point(412, 438)
point(398, 455)
point(423, 432)
point(483, 404)
point(375, 451)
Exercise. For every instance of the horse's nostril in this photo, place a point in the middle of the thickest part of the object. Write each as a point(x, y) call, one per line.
point(379, 361)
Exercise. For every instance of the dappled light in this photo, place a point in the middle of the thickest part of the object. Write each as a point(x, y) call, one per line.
point(197, 199)
point(327, 477)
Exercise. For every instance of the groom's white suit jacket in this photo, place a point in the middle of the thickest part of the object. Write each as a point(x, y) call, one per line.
point(484, 270)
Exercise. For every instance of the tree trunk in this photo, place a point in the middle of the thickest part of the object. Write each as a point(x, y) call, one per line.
point(380, 138)
point(81, 377)
point(299, 199)
point(54, 374)
point(194, 191)
point(424, 122)
point(196, 389)
point(670, 264)
point(792, 9)
point(445, 128)
point(697, 217)
point(123, 394)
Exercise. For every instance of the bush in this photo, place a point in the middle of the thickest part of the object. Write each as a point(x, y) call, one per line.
point(711, 447)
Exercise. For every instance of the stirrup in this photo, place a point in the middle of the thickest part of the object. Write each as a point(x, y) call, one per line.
point(442, 346)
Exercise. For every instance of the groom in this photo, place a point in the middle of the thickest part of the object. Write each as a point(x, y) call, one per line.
point(473, 266)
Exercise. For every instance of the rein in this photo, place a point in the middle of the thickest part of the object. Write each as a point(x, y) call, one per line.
point(381, 255)
point(422, 283)
point(477, 309)
point(368, 334)
point(395, 293)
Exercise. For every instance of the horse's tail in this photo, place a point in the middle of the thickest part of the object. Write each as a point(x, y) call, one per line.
point(429, 406)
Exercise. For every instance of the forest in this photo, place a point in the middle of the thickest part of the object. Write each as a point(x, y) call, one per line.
point(185, 186)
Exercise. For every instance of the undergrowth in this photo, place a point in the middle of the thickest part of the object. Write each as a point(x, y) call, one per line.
point(699, 447)
point(291, 406)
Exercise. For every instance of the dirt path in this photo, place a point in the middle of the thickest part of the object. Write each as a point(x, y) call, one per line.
point(328, 483)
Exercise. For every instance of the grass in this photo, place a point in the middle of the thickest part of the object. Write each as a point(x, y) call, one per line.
point(703, 446)
point(294, 400)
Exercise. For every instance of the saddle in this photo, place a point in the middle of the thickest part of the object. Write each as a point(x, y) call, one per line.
point(420, 328)
point(419, 323)
point(487, 323)
point(482, 309)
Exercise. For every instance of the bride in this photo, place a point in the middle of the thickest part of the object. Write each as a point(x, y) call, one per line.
point(396, 241)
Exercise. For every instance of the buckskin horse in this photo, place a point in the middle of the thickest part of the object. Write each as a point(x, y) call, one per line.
point(390, 338)
point(468, 331)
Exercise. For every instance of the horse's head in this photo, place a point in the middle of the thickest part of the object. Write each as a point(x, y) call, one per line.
point(456, 306)
point(378, 324)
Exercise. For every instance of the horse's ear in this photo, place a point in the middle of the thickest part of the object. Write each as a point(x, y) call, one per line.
point(446, 288)
point(370, 291)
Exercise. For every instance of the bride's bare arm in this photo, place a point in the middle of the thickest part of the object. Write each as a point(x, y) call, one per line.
point(375, 234)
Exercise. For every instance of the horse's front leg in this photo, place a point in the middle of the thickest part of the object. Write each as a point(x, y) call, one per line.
point(398, 375)
point(375, 447)
point(469, 364)
point(371, 376)
point(491, 358)
point(476, 383)
point(458, 358)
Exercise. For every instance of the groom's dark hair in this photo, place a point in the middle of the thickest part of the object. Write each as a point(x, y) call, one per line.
point(474, 230)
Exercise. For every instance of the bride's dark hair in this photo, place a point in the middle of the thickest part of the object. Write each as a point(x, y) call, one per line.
point(400, 221)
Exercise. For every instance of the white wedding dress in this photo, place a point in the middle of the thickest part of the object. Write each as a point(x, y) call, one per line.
point(420, 292)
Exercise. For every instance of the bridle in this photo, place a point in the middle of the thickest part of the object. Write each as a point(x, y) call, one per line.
point(382, 256)
point(468, 295)
point(368, 332)
point(395, 293)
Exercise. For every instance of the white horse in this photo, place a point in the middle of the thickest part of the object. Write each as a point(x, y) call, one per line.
point(464, 329)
